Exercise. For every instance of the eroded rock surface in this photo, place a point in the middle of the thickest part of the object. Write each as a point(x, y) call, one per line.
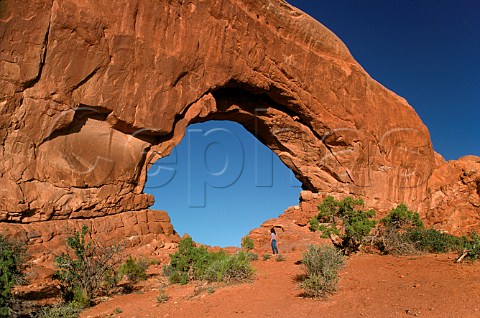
point(454, 196)
point(94, 92)
point(145, 232)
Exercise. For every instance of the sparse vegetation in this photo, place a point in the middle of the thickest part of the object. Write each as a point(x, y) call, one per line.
point(391, 237)
point(343, 218)
point(189, 262)
point(403, 232)
point(135, 270)
point(472, 246)
point(433, 241)
point(321, 265)
point(203, 288)
point(12, 263)
point(62, 310)
point(280, 258)
point(83, 275)
point(210, 290)
point(247, 243)
point(400, 232)
point(252, 256)
point(153, 261)
point(266, 257)
point(232, 268)
point(162, 296)
point(402, 218)
point(392, 241)
point(196, 263)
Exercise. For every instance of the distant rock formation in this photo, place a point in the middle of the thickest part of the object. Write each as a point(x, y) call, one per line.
point(92, 93)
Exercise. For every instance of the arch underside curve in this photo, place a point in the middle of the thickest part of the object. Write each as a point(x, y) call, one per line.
point(92, 100)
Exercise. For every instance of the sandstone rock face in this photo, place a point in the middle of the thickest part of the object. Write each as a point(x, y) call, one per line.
point(147, 232)
point(454, 196)
point(94, 92)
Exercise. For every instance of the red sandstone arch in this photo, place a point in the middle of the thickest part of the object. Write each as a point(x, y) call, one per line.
point(93, 93)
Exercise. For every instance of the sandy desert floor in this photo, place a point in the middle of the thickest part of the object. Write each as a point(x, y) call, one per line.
point(370, 286)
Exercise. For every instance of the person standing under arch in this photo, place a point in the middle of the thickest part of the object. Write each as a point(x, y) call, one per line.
point(273, 241)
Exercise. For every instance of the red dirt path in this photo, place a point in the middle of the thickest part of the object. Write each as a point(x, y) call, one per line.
point(370, 286)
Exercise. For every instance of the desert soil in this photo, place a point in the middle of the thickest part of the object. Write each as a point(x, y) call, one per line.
point(370, 286)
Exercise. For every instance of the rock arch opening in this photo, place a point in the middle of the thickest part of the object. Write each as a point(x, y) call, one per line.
point(220, 182)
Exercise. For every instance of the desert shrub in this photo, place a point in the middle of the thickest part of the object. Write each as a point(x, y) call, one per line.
point(162, 296)
point(12, 263)
point(403, 232)
point(414, 240)
point(238, 268)
point(393, 241)
point(153, 261)
point(252, 256)
point(344, 218)
point(230, 268)
point(247, 243)
point(321, 265)
point(135, 270)
point(472, 246)
point(401, 218)
point(176, 277)
point(189, 262)
point(433, 241)
point(216, 270)
point(62, 310)
point(196, 263)
point(280, 258)
point(266, 257)
point(391, 237)
point(83, 270)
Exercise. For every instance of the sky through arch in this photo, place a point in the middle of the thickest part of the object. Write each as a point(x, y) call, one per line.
point(220, 182)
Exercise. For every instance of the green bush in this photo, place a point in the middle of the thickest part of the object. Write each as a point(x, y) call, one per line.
point(252, 256)
point(247, 243)
point(135, 270)
point(391, 237)
point(234, 268)
point(355, 224)
point(83, 276)
point(400, 232)
point(434, 241)
point(321, 265)
point(266, 257)
point(280, 258)
point(403, 233)
point(401, 218)
point(413, 240)
point(153, 261)
point(63, 310)
point(196, 263)
point(189, 262)
point(472, 246)
point(314, 224)
point(12, 263)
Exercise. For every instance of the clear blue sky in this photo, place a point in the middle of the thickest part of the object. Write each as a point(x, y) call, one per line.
point(220, 182)
point(426, 51)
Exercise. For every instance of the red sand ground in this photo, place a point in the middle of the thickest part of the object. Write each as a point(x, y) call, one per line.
point(370, 286)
